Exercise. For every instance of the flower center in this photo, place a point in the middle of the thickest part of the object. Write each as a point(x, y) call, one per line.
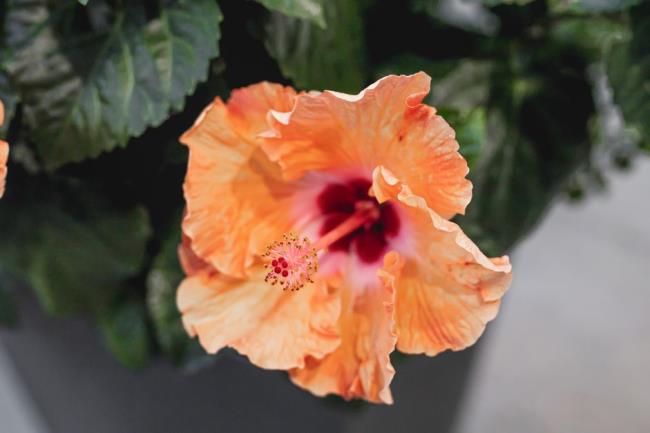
point(369, 241)
point(353, 221)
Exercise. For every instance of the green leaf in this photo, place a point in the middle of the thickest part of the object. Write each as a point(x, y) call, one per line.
point(75, 251)
point(408, 63)
point(472, 16)
point(307, 9)
point(183, 41)
point(83, 2)
point(509, 194)
point(9, 100)
point(104, 88)
point(125, 332)
point(590, 33)
point(471, 131)
point(628, 70)
point(315, 58)
point(537, 136)
point(591, 6)
point(162, 283)
point(505, 2)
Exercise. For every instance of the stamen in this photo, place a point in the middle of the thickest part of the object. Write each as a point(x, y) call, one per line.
point(292, 262)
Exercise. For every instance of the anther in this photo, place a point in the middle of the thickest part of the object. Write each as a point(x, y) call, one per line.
point(293, 262)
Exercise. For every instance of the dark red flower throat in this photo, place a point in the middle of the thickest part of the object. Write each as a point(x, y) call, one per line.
point(339, 201)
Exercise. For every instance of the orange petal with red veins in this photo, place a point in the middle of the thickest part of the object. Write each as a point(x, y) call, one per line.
point(236, 198)
point(360, 367)
point(385, 124)
point(4, 154)
point(275, 329)
point(448, 290)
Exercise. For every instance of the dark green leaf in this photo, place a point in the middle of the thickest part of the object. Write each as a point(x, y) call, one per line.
point(465, 87)
point(182, 42)
point(316, 59)
point(504, 2)
point(471, 130)
point(76, 254)
point(125, 332)
point(162, 282)
point(590, 33)
point(509, 194)
point(307, 9)
point(592, 5)
point(628, 69)
point(537, 136)
point(9, 99)
point(101, 89)
point(471, 16)
point(407, 64)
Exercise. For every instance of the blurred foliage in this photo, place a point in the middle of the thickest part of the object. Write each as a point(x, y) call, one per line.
point(315, 58)
point(163, 280)
point(64, 242)
point(544, 96)
point(628, 68)
point(125, 331)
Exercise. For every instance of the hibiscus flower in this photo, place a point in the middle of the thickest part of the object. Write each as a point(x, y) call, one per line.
point(317, 236)
point(4, 154)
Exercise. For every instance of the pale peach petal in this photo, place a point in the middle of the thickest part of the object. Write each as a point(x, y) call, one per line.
point(360, 367)
point(236, 198)
point(275, 329)
point(447, 290)
point(385, 124)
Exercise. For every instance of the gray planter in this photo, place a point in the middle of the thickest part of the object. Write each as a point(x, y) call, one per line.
point(79, 388)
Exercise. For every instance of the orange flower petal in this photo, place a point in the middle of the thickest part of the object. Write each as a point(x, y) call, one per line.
point(360, 367)
point(448, 291)
point(275, 329)
point(234, 194)
point(4, 154)
point(385, 124)
point(190, 262)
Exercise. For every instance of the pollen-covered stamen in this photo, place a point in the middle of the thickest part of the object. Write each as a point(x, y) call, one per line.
point(291, 262)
